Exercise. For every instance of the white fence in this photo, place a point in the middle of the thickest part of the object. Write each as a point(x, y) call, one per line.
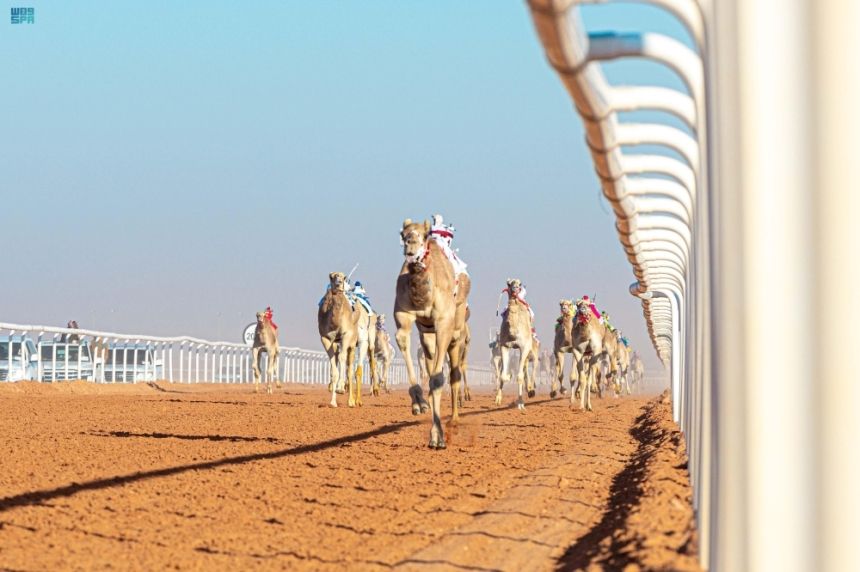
point(113, 357)
point(745, 251)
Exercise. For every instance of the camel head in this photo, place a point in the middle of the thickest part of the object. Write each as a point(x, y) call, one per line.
point(261, 317)
point(583, 311)
point(566, 307)
point(514, 286)
point(413, 237)
point(337, 280)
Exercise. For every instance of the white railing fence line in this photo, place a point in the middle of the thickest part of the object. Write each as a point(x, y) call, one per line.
point(115, 357)
point(765, 396)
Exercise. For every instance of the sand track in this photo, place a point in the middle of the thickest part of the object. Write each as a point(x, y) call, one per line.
point(214, 477)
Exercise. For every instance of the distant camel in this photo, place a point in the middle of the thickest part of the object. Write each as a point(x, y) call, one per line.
point(563, 344)
point(365, 348)
point(638, 368)
point(430, 296)
point(496, 358)
point(265, 339)
point(384, 352)
point(588, 336)
point(516, 333)
point(339, 334)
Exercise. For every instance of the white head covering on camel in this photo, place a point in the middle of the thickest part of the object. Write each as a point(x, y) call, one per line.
point(443, 234)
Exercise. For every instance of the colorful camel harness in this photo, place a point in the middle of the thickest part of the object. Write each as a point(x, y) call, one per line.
point(420, 258)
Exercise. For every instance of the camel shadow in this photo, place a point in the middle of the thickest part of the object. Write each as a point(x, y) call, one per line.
point(42, 496)
point(625, 494)
point(231, 438)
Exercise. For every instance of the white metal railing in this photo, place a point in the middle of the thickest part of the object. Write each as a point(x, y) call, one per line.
point(113, 357)
point(746, 265)
point(660, 202)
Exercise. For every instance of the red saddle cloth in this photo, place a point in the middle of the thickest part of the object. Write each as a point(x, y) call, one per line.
point(268, 317)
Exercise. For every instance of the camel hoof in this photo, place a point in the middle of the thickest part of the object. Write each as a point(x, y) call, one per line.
point(531, 392)
point(521, 406)
point(333, 404)
point(425, 407)
point(416, 409)
point(340, 391)
point(437, 444)
point(552, 394)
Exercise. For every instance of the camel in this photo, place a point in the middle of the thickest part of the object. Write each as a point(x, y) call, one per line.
point(365, 348)
point(623, 380)
point(546, 368)
point(562, 345)
point(339, 334)
point(638, 368)
point(588, 336)
point(265, 339)
point(496, 358)
point(432, 298)
point(384, 352)
point(609, 374)
point(515, 333)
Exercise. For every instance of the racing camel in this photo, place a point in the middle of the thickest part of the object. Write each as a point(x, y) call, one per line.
point(265, 340)
point(384, 353)
point(588, 336)
point(515, 333)
point(339, 334)
point(432, 298)
point(562, 345)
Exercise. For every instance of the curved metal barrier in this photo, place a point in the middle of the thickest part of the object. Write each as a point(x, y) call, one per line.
point(741, 246)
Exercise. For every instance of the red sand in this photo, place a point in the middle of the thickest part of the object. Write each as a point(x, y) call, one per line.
point(214, 477)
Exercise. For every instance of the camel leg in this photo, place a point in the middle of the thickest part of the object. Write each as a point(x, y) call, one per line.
point(270, 371)
point(580, 380)
point(374, 373)
point(437, 382)
point(464, 366)
point(531, 374)
point(504, 374)
point(349, 360)
point(522, 375)
point(255, 358)
point(427, 358)
point(404, 321)
point(457, 377)
point(360, 354)
point(344, 350)
point(330, 350)
point(559, 374)
point(371, 357)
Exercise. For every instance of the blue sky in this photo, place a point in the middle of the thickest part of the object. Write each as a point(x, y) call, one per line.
point(170, 168)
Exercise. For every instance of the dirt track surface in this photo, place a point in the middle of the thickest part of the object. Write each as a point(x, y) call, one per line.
point(214, 478)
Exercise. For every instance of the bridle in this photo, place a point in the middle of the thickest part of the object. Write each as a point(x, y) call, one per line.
point(420, 257)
